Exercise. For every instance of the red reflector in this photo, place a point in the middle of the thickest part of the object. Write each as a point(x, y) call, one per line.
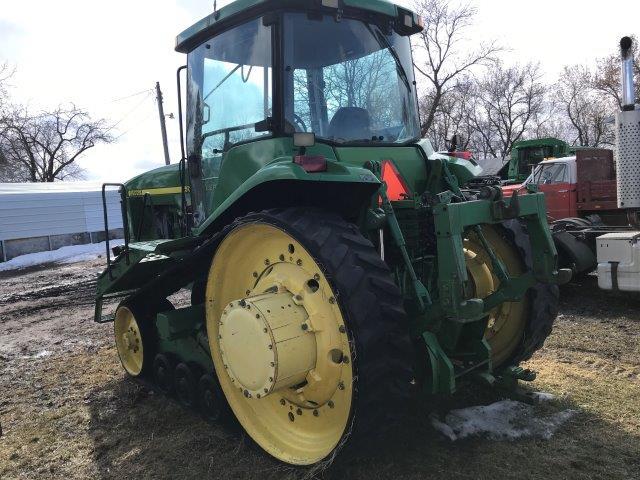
point(312, 163)
point(397, 189)
point(462, 155)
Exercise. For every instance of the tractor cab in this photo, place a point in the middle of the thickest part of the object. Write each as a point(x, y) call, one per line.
point(343, 75)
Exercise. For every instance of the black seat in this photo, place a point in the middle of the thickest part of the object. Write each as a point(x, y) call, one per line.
point(350, 123)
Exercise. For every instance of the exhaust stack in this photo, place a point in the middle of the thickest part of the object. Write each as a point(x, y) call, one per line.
point(628, 88)
point(628, 135)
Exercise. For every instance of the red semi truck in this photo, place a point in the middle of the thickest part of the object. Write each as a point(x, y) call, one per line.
point(579, 187)
point(582, 204)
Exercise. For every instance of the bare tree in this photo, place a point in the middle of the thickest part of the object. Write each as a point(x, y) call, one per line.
point(444, 59)
point(45, 147)
point(585, 107)
point(453, 115)
point(509, 100)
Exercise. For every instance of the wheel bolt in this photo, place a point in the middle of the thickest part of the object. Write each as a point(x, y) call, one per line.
point(282, 402)
point(315, 413)
point(305, 326)
point(342, 329)
point(331, 404)
point(299, 263)
point(299, 412)
point(341, 385)
point(332, 300)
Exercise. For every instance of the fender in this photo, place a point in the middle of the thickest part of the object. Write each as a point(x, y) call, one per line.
point(285, 183)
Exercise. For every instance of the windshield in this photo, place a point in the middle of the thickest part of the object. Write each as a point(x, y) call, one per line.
point(348, 81)
point(549, 174)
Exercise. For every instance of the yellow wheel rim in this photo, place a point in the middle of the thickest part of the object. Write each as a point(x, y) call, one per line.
point(279, 344)
point(507, 322)
point(129, 341)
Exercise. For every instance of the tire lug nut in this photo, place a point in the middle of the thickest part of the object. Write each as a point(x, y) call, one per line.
point(331, 404)
point(299, 412)
point(332, 300)
point(341, 385)
point(299, 263)
point(305, 327)
point(282, 401)
point(315, 413)
point(342, 329)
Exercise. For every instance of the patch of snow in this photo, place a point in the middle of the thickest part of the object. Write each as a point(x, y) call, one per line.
point(70, 254)
point(42, 354)
point(543, 396)
point(506, 419)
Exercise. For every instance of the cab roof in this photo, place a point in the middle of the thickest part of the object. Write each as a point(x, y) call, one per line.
point(240, 10)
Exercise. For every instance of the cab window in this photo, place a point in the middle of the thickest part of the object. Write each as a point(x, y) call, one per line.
point(552, 174)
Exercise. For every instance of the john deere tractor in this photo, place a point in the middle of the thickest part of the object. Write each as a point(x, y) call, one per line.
point(337, 266)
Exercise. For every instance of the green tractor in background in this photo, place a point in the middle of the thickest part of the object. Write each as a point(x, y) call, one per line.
point(527, 154)
point(337, 265)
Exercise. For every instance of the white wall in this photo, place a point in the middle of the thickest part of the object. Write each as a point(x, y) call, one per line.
point(36, 210)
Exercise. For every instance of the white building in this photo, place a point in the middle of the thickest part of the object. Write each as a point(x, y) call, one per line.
point(36, 217)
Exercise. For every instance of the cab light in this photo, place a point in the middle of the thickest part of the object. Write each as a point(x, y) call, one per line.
point(311, 163)
point(397, 188)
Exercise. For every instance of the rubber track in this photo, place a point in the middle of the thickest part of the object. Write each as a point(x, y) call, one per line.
point(543, 300)
point(372, 306)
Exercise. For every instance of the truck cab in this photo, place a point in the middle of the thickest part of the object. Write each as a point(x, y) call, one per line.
point(577, 186)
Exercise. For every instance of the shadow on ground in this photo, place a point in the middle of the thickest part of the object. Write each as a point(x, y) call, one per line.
point(138, 434)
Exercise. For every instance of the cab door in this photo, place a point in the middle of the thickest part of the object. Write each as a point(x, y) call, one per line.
point(555, 182)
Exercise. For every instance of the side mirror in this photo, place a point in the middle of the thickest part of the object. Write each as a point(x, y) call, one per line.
point(304, 139)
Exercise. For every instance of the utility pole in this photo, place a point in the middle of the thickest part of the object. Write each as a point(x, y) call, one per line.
point(163, 124)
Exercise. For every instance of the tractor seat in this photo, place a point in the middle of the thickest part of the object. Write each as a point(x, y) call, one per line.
point(350, 123)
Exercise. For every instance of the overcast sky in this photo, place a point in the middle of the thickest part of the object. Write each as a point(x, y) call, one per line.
point(100, 54)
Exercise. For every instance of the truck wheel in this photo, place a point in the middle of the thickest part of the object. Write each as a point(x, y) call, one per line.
point(515, 329)
point(307, 333)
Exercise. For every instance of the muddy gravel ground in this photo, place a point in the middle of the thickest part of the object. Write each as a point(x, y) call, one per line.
point(68, 411)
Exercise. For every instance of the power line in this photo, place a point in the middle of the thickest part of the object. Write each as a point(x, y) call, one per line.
point(131, 96)
point(136, 107)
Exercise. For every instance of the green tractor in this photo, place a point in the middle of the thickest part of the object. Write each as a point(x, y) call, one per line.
point(527, 154)
point(337, 266)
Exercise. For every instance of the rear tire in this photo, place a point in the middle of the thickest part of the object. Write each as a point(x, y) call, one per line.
point(544, 299)
point(371, 305)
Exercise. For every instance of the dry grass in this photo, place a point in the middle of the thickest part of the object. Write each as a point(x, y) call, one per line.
point(74, 414)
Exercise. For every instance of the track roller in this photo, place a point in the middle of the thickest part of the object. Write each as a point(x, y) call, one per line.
point(186, 385)
point(163, 373)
